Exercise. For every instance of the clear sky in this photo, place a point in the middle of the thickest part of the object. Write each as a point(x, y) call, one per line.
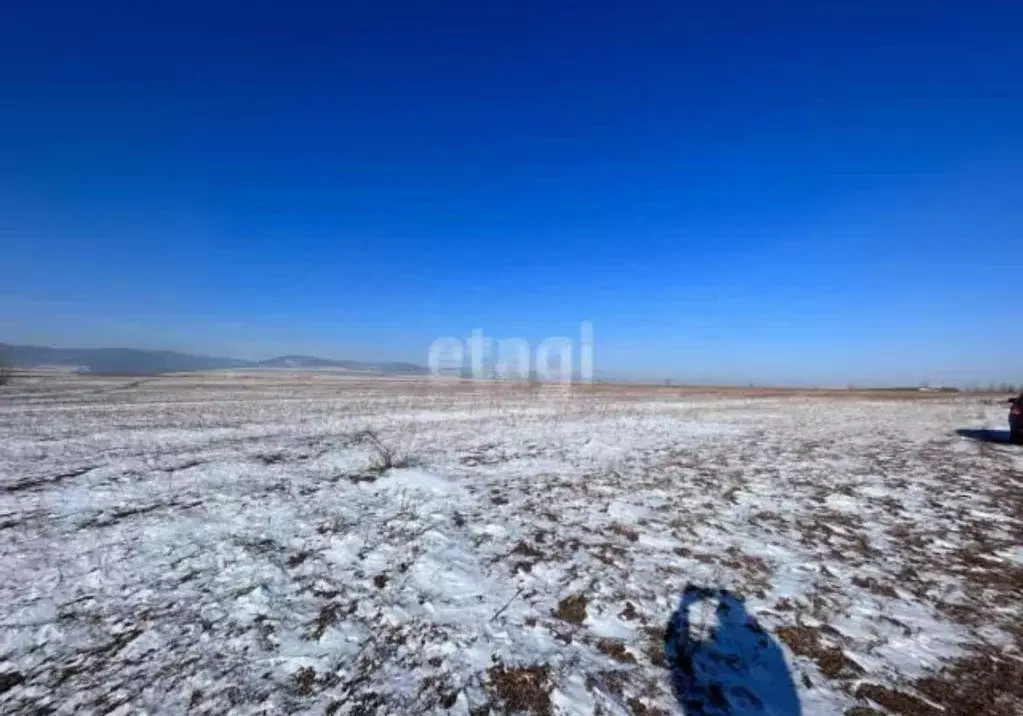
point(801, 192)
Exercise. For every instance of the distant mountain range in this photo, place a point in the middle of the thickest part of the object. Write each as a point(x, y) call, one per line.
point(133, 361)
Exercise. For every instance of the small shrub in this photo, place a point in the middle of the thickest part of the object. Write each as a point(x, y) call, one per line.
point(385, 457)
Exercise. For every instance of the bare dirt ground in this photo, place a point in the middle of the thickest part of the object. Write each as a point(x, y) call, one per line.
point(286, 543)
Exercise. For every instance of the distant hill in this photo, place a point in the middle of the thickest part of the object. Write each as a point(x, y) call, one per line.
point(312, 362)
point(298, 362)
point(133, 361)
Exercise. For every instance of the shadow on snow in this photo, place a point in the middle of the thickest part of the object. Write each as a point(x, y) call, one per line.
point(737, 668)
point(987, 436)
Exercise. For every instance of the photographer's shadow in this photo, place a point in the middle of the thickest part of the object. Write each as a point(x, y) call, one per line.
point(737, 669)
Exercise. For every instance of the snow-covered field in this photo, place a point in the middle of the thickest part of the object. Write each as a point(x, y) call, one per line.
point(293, 544)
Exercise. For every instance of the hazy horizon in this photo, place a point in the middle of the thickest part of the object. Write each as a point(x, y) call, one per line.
point(678, 379)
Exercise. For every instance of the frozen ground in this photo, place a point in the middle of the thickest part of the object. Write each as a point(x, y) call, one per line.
point(294, 545)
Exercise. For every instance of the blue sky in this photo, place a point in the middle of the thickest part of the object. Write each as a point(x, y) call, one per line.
point(744, 192)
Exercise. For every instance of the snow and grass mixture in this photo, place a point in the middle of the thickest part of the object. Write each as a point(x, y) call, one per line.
point(307, 545)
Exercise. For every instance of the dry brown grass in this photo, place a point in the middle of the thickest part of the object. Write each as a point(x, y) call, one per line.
point(522, 689)
point(616, 650)
point(572, 609)
point(831, 660)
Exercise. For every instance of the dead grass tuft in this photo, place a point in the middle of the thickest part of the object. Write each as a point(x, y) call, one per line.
point(896, 701)
point(572, 609)
point(871, 584)
point(629, 612)
point(831, 660)
point(616, 650)
point(626, 532)
point(986, 682)
point(329, 614)
point(304, 681)
point(529, 556)
point(638, 708)
point(524, 688)
point(654, 649)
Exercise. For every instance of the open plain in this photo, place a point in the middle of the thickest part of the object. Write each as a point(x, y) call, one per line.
point(279, 542)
